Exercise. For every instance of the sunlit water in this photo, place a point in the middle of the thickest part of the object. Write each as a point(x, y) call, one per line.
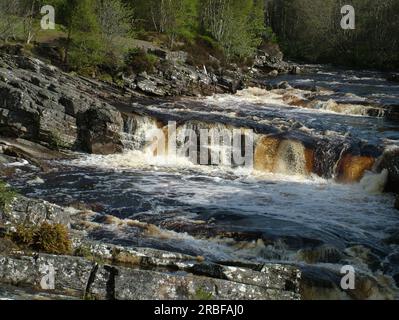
point(243, 214)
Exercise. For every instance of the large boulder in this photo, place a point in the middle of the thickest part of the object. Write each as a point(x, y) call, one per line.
point(270, 58)
point(40, 103)
point(390, 162)
point(100, 130)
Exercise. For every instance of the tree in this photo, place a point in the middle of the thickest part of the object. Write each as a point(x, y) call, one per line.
point(8, 18)
point(82, 25)
point(310, 30)
point(238, 25)
point(174, 18)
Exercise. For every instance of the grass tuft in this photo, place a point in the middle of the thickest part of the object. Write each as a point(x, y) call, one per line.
point(48, 238)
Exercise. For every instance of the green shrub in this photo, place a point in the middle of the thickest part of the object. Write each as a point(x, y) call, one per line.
point(6, 195)
point(55, 141)
point(138, 61)
point(48, 238)
point(202, 294)
point(86, 51)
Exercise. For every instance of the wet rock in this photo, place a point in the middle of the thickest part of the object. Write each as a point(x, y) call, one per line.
point(323, 254)
point(231, 84)
point(283, 85)
point(273, 73)
point(270, 57)
point(296, 70)
point(32, 152)
point(351, 168)
point(321, 283)
point(393, 238)
point(390, 161)
point(393, 77)
point(99, 130)
point(364, 256)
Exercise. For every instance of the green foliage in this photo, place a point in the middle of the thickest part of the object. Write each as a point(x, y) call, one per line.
point(174, 18)
point(138, 61)
point(24, 235)
point(202, 294)
point(48, 238)
point(310, 30)
point(238, 25)
point(6, 196)
point(85, 51)
point(55, 141)
point(84, 252)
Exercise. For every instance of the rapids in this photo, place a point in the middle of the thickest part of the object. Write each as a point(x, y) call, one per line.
point(313, 191)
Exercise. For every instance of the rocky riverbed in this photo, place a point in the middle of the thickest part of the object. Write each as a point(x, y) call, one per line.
point(144, 227)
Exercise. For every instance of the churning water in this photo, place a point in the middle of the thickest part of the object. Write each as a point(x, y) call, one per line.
point(291, 203)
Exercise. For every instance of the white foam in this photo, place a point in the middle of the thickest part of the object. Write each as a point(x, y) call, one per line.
point(374, 182)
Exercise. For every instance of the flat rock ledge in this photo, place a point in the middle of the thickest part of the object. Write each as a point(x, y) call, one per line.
point(81, 278)
point(101, 271)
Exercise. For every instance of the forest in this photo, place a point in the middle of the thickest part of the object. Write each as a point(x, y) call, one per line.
point(93, 33)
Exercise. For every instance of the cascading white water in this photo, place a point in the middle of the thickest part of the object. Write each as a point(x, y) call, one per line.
point(135, 131)
point(291, 159)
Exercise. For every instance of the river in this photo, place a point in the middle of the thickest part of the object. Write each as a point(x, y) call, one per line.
point(305, 201)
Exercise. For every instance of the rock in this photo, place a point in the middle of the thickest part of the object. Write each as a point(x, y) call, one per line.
point(30, 151)
point(397, 202)
point(153, 285)
point(283, 85)
point(23, 210)
point(82, 278)
point(323, 254)
point(393, 77)
point(322, 283)
point(40, 103)
point(296, 70)
point(393, 238)
point(100, 130)
point(365, 255)
point(231, 84)
point(150, 87)
point(70, 273)
point(390, 161)
point(177, 56)
point(12, 49)
point(273, 73)
point(270, 57)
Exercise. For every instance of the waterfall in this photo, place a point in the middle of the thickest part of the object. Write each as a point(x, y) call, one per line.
point(135, 129)
point(218, 144)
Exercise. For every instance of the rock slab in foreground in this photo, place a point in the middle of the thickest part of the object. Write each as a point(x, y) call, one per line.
point(78, 277)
